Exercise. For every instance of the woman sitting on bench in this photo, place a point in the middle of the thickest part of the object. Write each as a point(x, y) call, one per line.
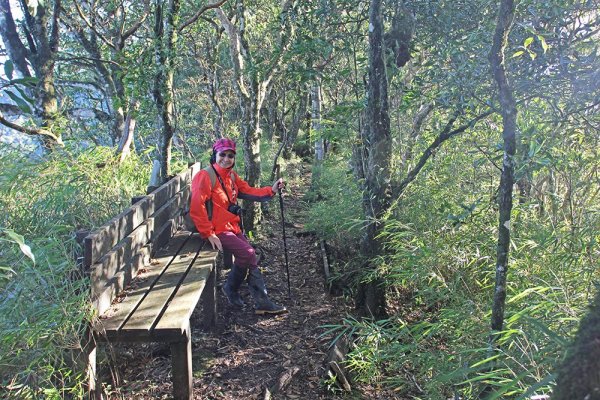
point(216, 215)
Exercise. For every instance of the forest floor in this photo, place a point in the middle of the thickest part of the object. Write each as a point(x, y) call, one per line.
point(246, 356)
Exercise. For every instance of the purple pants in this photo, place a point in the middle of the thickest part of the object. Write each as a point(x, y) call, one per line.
point(244, 253)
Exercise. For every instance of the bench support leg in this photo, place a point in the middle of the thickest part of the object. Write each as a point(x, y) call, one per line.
point(181, 368)
point(87, 359)
point(209, 300)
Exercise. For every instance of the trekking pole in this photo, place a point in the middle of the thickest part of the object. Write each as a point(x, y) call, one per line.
point(287, 268)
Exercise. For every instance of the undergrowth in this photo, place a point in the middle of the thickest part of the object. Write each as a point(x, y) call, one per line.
point(44, 297)
point(439, 270)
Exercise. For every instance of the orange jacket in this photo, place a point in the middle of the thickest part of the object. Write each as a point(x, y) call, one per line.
point(222, 220)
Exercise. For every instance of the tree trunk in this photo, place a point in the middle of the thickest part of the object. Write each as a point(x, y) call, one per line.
point(370, 299)
point(415, 131)
point(166, 37)
point(316, 128)
point(299, 116)
point(126, 141)
point(252, 161)
point(42, 32)
point(44, 27)
point(17, 52)
point(505, 201)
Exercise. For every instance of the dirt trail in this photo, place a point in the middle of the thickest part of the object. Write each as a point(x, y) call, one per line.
point(247, 354)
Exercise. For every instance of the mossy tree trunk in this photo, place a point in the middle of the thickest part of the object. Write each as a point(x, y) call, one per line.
point(41, 29)
point(167, 16)
point(376, 152)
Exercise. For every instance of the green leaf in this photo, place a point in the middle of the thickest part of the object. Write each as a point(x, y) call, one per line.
point(543, 42)
point(7, 269)
point(532, 55)
point(561, 341)
point(528, 42)
point(24, 95)
point(30, 81)
point(8, 69)
point(22, 104)
point(518, 53)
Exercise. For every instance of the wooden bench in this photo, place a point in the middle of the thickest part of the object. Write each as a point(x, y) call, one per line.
point(147, 275)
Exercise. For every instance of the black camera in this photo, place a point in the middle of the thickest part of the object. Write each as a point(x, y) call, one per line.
point(235, 209)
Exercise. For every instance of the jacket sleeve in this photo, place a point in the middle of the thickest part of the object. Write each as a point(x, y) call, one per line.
point(201, 192)
point(248, 192)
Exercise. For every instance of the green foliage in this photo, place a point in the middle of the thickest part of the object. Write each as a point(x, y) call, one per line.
point(439, 268)
point(336, 216)
point(18, 85)
point(44, 298)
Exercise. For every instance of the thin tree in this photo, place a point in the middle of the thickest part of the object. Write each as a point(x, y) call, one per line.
point(508, 111)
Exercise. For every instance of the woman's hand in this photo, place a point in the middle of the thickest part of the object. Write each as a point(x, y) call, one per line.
point(279, 184)
point(215, 242)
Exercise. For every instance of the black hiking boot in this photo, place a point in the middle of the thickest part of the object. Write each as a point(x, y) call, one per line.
point(234, 280)
point(262, 303)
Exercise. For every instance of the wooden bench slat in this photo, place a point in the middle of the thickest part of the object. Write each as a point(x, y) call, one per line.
point(153, 306)
point(179, 311)
point(171, 208)
point(120, 312)
point(124, 253)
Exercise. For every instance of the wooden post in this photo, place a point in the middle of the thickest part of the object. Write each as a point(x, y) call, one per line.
point(181, 367)
point(155, 181)
point(209, 300)
point(89, 351)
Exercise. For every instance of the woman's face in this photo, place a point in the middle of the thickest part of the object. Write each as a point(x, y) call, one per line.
point(225, 159)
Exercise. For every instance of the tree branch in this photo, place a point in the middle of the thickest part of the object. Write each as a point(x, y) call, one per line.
point(93, 28)
point(136, 25)
point(30, 131)
point(195, 17)
point(429, 151)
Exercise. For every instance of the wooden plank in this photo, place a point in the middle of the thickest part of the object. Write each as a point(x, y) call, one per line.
point(120, 257)
point(141, 259)
point(119, 312)
point(113, 287)
point(170, 188)
point(106, 237)
point(164, 234)
point(170, 209)
point(102, 301)
point(181, 307)
point(161, 195)
point(209, 301)
point(150, 309)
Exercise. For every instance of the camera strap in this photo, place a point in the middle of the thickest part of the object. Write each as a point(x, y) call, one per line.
point(223, 185)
